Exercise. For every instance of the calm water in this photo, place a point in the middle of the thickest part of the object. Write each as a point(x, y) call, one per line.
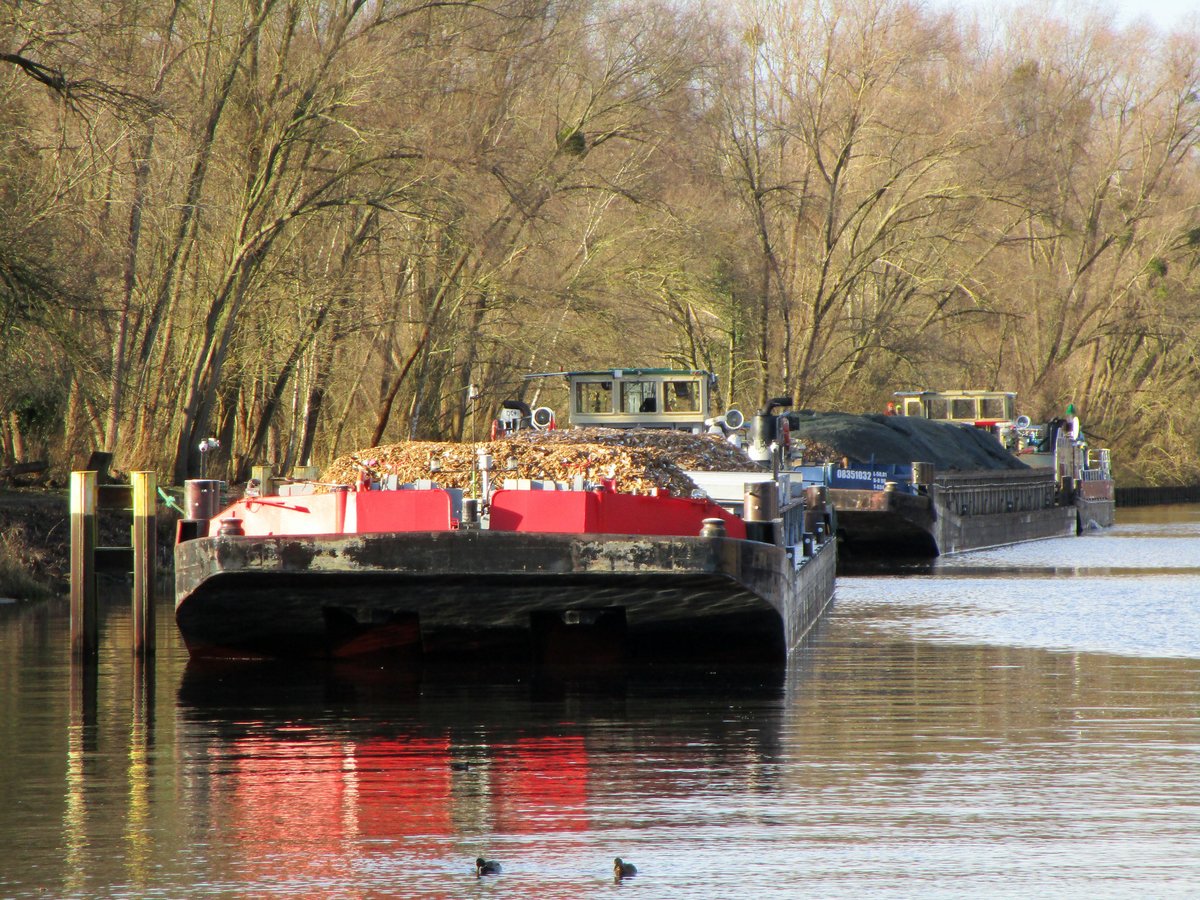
point(1010, 723)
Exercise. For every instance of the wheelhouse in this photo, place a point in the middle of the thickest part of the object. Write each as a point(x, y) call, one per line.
point(983, 409)
point(639, 398)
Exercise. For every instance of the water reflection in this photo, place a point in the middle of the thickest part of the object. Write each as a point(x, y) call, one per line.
point(1129, 590)
point(945, 734)
point(1005, 769)
point(1143, 542)
point(872, 754)
point(403, 773)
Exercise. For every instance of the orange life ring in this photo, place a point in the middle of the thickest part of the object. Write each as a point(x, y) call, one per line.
point(495, 429)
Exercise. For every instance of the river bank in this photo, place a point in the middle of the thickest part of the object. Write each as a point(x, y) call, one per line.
point(35, 535)
point(35, 541)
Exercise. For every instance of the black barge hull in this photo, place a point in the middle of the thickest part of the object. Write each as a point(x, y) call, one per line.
point(958, 512)
point(496, 596)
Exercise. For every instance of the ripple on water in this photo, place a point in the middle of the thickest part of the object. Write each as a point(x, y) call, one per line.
point(1006, 725)
point(1140, 616)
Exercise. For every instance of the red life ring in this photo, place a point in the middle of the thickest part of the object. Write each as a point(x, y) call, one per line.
point(785, 432)
point(495, 429)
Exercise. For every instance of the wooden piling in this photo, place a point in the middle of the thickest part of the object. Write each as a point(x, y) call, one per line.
point(87, 498)
point(145, 553)
point(85, 622)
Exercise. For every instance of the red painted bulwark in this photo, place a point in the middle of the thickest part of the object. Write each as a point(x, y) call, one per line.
point(343, 512)
point(311, 514)
point(378, 512)
point(554, 512)
point(605, 512)
point(641, 514)
point(558, 512)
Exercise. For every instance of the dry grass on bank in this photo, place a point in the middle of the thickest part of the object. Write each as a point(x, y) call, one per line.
point(17, 559)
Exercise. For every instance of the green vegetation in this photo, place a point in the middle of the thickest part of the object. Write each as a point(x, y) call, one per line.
point(307, 227)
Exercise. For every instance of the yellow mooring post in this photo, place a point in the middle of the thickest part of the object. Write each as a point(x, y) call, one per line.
point(85, 618)
point(145, 553)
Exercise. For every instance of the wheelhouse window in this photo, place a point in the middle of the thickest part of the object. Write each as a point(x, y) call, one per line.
point(681, 396)
point(593, 396)
point(912, 407)
point(994, 408)
point(638, 397)
point(938, 408)
point(962, 408)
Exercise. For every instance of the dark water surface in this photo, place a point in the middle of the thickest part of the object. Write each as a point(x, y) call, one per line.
point(1004, 724)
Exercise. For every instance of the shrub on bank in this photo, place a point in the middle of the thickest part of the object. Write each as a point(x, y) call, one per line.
point(17, 558)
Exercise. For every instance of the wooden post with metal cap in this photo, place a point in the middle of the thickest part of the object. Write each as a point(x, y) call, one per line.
point(87, 497)
point(85, 620)
point(145, 553)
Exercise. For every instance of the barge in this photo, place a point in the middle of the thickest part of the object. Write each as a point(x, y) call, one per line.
point(984, 478)
point(521, 569)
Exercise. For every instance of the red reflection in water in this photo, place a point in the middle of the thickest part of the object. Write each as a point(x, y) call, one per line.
point(541, 785)
point(288, 808)
point(403, 787)
point(306, 808)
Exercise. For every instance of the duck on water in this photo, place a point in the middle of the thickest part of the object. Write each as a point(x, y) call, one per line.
point(486, 867)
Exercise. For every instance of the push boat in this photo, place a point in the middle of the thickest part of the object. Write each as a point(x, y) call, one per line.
point(521, 569)
point(1031, 482)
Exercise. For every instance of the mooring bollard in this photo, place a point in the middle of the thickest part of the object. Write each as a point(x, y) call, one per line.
point(145, 553)
point(85, 625)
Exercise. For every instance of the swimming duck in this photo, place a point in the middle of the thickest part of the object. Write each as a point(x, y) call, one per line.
point(623, 869)
point(486, 867)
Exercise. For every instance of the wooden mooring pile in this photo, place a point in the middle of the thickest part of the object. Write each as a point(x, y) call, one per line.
point(88, 498)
